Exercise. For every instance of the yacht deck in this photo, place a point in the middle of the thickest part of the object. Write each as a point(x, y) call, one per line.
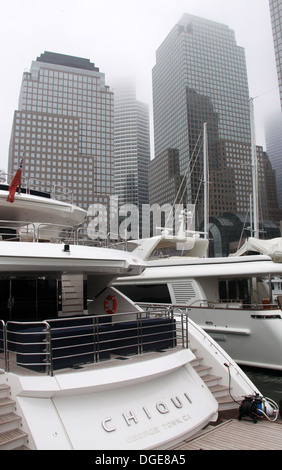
point(237, 435)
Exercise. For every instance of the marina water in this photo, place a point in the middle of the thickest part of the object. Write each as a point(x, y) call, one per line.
point(269, 382)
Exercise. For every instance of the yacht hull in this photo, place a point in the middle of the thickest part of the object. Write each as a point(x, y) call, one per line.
point(28, 208)
point(150, 404)
point(250, 338)
point(248, 330)
point(25, 257)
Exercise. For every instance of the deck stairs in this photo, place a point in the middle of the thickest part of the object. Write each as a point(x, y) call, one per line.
point(11, 435)
point(220, 391)
point(72, 295)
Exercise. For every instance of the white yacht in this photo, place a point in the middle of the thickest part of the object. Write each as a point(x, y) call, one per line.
point(110, 376)
point(231, 298)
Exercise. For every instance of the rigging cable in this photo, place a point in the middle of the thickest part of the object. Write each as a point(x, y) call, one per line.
point(185, 176)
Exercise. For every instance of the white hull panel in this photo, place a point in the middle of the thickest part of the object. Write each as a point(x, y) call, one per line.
point(250, 341)
point(152, 404)
point(17, 257)
point(249, 334)
point(29, 208)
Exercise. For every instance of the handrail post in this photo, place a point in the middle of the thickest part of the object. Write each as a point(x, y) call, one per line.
point(139, 333)
point(96, 347)
point(49, 352)
point(186, 329)
point(6, 363)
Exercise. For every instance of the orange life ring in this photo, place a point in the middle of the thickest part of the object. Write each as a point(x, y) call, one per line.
point(110, 304)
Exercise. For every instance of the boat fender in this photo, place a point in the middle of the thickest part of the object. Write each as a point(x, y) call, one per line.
point(110, 304)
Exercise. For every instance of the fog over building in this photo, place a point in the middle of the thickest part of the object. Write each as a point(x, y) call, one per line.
point(276, 22)
point(200, 75)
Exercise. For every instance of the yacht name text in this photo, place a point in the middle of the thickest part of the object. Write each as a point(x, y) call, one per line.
point(130, 417)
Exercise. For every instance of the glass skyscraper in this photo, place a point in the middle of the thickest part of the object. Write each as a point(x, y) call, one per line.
point(273, 137)
point(63, 128)
point(200, 76)
point(276, 21)
point(132, 145)
point(200, 57)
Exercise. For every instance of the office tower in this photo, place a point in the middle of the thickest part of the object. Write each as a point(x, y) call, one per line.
point(200, 76)
point(268, 199)
point(63, 128)
point(131, 146)
point(199, 62)
point(276, 22)
point(165, 168)
point(273, 138)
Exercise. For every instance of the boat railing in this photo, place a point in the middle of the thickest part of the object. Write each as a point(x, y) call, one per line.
point(234, 304)
point(40, 187)
point(25, 231)
point(177, 311)
point(84, 239)
point(105, 240)
point(73, 342)
point(20, 337)
point(222, 358)
point(3, 354)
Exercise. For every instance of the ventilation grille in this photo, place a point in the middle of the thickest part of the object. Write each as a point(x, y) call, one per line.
point(183, 291)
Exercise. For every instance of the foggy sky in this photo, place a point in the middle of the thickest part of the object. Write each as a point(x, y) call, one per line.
point(121, 37)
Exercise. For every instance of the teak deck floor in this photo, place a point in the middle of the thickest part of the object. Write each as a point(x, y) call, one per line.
point(238, 435)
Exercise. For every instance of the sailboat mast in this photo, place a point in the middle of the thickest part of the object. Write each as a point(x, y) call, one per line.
point(206, 182)
point(254, 172)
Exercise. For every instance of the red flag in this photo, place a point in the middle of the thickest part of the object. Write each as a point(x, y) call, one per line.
point(16, 181)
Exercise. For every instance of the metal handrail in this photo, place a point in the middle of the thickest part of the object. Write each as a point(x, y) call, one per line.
point(4, 341)
point(232, 306)
point(33, 229)
point(29, 184)
point(172, 310)
point(46, 331)
point(210, 304)
point(90, 339)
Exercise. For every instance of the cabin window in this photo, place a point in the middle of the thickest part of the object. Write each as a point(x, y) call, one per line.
point(155, 294)
point(234, 290)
